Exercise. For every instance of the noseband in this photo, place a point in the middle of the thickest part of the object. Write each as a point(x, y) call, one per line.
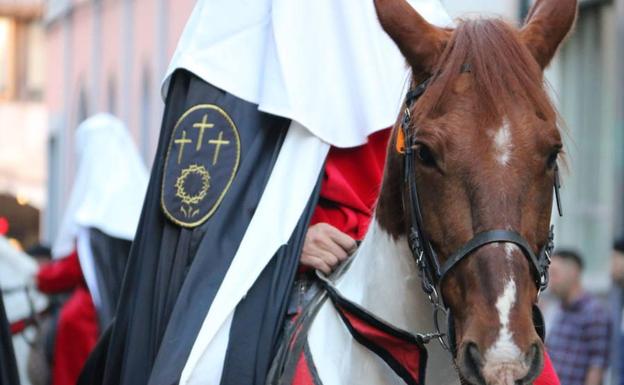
point(432, 271)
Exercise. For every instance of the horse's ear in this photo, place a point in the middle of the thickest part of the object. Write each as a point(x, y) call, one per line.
point(420, 42)
point(547, 25)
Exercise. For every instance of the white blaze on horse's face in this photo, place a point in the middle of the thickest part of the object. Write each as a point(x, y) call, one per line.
point(509, 250)
point(504, 361)
point(503, 145)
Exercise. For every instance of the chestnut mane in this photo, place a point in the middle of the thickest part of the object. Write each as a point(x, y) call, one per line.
point(503, 69)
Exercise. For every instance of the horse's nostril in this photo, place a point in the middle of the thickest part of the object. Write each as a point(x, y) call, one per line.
point(471, 364)
point(535, 361)
point(474, 356)
point(531, 355)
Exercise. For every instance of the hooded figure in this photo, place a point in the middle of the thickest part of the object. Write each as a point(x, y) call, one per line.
point(24, 307)
point(93, 243)
point(257, 94)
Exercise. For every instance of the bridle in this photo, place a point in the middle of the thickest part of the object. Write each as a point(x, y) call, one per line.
point(431, 270)
point(373, 332)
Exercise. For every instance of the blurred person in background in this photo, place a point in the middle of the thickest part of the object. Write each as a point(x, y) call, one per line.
point(24, 305)
point(42, 345)
point(578, 342)
point(93, 243)
point(617, 311)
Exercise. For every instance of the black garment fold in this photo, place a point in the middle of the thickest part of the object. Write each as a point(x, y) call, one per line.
point(110, 255)
point(258, 320)
point(8, 365)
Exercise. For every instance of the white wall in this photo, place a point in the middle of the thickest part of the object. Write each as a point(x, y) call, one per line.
point(461, 8)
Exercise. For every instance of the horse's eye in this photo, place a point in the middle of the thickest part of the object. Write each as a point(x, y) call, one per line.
point(425, 156)
point(552, 158)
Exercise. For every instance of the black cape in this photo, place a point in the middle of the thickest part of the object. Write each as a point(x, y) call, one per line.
point(193, 220)
point(110, 256)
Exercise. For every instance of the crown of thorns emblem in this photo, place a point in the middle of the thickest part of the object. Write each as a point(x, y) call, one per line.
point(181, 184)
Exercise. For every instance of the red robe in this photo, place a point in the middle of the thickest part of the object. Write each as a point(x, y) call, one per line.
point(77, 330)
point(349, 192)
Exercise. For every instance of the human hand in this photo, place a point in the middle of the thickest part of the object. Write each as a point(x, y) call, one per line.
point(325, 247)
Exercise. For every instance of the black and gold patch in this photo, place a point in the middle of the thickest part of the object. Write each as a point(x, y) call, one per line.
point(201, 163)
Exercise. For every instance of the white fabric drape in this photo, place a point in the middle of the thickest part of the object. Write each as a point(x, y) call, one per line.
point(326, 64)
point(109, 187)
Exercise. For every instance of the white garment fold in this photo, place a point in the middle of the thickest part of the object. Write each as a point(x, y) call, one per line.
point(283, 201)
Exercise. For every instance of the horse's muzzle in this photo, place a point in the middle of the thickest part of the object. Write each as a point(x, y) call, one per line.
point(476, 370)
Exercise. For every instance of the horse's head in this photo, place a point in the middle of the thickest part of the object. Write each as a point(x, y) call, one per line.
point(486, 146)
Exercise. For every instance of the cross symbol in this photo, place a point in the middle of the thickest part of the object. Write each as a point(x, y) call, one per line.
point(182, 142)
point(202, 126)
point(218, 143)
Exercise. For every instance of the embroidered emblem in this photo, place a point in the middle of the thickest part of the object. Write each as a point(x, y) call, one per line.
point(200, 165)
point(181, 188)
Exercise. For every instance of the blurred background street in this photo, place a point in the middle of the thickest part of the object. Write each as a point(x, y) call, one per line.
point(62, 61)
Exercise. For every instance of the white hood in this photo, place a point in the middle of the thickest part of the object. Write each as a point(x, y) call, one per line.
point(109, 187)
point(326, 64)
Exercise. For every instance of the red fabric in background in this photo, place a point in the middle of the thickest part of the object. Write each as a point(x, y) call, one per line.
point(349, 192)
point(77, 330)
point(76, 336)
point(61, 275)
point(548, 376)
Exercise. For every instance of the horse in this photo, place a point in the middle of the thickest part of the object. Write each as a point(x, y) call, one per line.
point(462, 222)
point(23, 303)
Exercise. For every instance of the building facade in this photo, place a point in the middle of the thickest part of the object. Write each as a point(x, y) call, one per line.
point(104, 56)
point(588, 83)
point(23, 120)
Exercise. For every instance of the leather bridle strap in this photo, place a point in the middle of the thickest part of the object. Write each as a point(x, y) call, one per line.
point(486, 238)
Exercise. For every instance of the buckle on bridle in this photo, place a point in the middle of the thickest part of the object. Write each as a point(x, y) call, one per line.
point(401, 146)
point(546, 259)
point(407, 117)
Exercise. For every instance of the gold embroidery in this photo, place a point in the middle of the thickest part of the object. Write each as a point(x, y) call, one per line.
point(185, 196)
point(218, 143)
point(189, 214)
point(181, 191)
point(202, 126)
point(182, 142)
